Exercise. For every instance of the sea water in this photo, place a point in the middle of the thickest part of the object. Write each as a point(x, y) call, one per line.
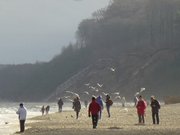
point(9, 122)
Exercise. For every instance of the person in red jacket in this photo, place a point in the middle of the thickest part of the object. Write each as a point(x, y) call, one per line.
point(141, 107)
point(94, 109)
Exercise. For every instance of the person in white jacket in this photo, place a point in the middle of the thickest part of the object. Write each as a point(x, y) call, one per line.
point(22, 112)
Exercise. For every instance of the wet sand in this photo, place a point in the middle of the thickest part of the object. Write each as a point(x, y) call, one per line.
point(123, 121)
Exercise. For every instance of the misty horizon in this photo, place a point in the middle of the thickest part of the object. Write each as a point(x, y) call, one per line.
point(35, 31)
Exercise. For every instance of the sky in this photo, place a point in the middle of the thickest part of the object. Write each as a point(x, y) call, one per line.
point(36, 30)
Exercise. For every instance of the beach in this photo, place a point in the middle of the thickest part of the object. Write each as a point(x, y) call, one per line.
point(123, 121)
point(9, 122)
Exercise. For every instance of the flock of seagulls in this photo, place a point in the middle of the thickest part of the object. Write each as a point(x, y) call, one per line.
point(96, 90)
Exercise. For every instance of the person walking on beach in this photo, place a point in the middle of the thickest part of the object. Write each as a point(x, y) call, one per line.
point(47, 109)
point(93, 111)
point(77, 106)
point(123, 101)
point(43, 110)
point(60, 104)
point(22, 112)
point(141, 107)
point(155, 106)
point(108, 104)
point(100, 102)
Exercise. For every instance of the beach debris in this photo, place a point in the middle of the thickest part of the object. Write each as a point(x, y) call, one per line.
point(124, 110)
point(115, 128)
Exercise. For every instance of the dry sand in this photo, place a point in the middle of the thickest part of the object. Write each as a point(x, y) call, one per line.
point(122, 122)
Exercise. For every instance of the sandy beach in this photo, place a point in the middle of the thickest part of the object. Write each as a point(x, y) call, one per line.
point(123, 121)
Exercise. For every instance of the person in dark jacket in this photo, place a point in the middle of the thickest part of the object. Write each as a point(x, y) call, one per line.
point(77, 106)
point(155, 106)
point(47, 109)
point(108, 104)
point(43, 110)
point(94, 109)
point(60, 104)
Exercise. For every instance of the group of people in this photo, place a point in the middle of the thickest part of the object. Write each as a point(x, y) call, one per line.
point(141, 108)
point(95, 110)
point(45, 110)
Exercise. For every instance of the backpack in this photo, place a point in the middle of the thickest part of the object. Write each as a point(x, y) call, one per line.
point(110, 102)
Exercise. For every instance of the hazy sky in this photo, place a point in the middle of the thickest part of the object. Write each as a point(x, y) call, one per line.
point(36, 30)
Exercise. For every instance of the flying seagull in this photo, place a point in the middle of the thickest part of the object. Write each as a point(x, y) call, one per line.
point(72, 93)
point(112, 69)
point(100, 85)
point(105, 93)
point(142, 89)
point(86, 92)
point(116, 93)
point(117, 97)
point(87, 84)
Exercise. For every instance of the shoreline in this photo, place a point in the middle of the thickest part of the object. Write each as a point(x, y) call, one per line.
point(123, 121)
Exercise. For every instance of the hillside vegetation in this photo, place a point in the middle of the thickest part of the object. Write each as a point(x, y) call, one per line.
point(137, 38)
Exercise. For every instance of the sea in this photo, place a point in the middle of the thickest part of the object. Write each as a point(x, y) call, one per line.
point(9, 122)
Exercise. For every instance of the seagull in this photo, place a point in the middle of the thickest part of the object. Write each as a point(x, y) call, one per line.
point(112, 69)
point(118, 97)
point(137, 93)
point(71, 100)
point(72, 93)
point(142, 89)
point(69, 92)
point(96, 90)
point(66, 97)
point(105, 93)
point(76, 94)
point(100, 85)
point(86, 92)
point(116, 93)
point(87, 84)
point(92, 87)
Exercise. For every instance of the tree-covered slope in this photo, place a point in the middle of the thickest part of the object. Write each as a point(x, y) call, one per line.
point(139, 38)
